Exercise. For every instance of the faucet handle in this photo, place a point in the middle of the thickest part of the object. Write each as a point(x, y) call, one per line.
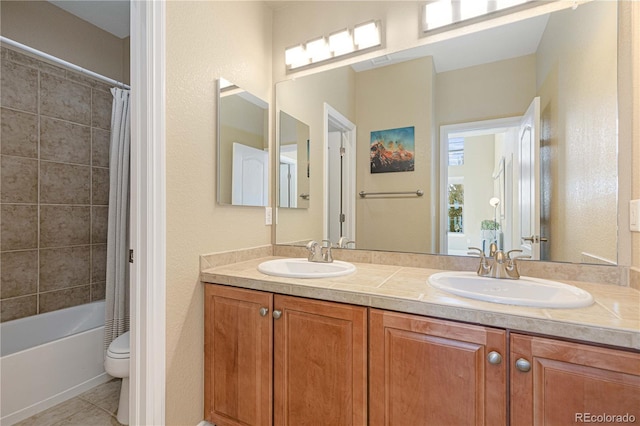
point(315, 251)
point(516, 257)
point(480, 252)
point(344, 242)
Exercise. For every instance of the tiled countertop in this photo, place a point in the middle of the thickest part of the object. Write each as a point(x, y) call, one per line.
point(614, 318)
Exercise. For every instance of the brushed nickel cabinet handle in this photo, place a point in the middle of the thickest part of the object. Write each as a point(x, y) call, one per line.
point(523, 365)
point(494, 358)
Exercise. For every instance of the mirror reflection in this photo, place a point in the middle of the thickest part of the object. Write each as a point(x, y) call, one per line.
point(243, 147)
point(489, 171)
point(293, 171)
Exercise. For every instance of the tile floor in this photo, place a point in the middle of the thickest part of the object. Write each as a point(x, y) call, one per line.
point(95, 407)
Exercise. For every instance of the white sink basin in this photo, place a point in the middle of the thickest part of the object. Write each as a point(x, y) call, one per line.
point(526, 291)
point(302, 268)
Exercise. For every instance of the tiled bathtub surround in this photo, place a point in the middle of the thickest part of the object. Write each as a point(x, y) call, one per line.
point(54, 146)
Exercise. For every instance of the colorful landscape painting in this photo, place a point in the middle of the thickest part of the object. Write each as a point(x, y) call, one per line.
point(392, 150)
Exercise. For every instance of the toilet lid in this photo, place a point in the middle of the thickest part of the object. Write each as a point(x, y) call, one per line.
point(119, 348)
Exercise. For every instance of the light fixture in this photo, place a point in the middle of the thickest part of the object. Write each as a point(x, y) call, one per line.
point(344, 42)
point(472, 8)
point(366, 35)
point(296, 56)
point(341, 43)
point(439, 13)
point(318, 50)
point(503, 4)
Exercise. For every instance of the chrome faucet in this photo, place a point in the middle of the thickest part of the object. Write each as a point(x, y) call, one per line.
point(502, 265)
point(319, 254)
point(343, 242)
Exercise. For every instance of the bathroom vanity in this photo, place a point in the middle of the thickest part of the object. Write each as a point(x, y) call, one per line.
point(381, 346)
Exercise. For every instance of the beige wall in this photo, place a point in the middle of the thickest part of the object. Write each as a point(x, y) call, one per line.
point(205, 41)
point(576, 120)
point(304, 99)
point(484, 92)
point(299, 21)
point(43, 26)
point(392, 97)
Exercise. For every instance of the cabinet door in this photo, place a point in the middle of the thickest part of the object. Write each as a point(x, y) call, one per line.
point(424, 371)
point(567, 383)
point(320, 363)
point(238, 356)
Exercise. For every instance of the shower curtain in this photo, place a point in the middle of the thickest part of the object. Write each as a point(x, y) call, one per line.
point(117, 288)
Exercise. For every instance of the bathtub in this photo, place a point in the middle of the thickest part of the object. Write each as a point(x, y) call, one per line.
point(49, 358)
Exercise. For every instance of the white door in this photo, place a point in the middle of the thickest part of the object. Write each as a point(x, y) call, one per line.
point(340, 189)
point(250, 176)
point(529, 180)
point(288, 182)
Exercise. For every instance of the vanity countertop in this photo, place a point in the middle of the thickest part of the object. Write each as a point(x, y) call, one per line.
point(614, 318)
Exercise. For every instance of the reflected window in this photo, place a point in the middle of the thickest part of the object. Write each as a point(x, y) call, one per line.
point(456, 207)
point(456, 151)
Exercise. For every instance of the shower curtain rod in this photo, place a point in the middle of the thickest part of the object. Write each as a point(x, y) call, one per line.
point(62, 62)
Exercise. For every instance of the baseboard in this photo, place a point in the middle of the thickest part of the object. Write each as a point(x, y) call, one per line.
point(39, 407)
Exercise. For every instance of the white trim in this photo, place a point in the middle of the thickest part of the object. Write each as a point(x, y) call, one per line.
point(333, 116)
point(148, 213)
point(466, 129)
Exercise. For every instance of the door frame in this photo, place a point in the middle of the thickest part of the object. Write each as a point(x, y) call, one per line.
point(445, 131)
point(147, 378)
point(331, 115)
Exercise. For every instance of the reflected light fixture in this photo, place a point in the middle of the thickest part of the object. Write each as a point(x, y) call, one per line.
point(439, 13)
point(344, 42)
point(366, 35)
point(472, 8)
point(296, 56)
point(341, 43)
point(318, 50)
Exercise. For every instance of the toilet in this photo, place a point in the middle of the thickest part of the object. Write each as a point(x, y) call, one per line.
point(116, 364)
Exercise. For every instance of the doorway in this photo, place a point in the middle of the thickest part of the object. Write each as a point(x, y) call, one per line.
point(340, 184)
point(490, 185)
point(478, 200)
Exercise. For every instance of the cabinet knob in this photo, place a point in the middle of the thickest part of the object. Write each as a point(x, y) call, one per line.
point(494, 358)
point(277, 313)
point(523, 365)
point(263, 311)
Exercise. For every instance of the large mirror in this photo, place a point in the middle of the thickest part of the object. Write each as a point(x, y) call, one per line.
point(243, 147)
point(294, 169)
point(512, 132)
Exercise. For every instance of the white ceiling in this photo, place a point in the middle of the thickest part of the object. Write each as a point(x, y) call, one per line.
point(490, 45)
point(109, 15)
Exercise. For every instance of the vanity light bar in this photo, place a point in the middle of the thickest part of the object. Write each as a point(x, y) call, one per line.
point(344, 42)
point(439, 13)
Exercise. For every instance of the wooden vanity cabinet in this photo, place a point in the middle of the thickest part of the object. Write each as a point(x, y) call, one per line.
point(303, 363)
point(238, 356)
point(273, 359)
point(560, 383)
point(424, 371)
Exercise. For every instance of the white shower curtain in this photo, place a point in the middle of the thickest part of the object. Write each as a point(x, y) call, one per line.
point(117, 288)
